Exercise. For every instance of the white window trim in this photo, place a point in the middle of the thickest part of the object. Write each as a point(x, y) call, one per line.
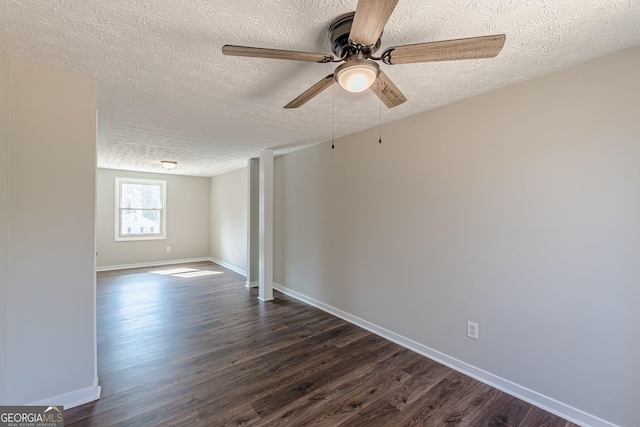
point(117, 218)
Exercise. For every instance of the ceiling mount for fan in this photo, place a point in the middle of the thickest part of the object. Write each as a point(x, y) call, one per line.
point(339, 36)
point(355, 37)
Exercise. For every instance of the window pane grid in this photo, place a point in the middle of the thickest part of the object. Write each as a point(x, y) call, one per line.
point(139, 210)
point(142, 196)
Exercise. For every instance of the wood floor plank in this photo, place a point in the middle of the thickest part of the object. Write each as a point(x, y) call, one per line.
point(311, 405)
point(384, 378)
point(206, 352)
point(439, 406)
point(465, 409)
point(504, 411)
point(293, 390)
point(240, 415)
point(353, 335)
point(379, 414)
point(536, 417)
point(422, 380)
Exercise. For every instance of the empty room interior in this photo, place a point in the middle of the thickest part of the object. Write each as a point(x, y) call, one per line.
point(348, 212)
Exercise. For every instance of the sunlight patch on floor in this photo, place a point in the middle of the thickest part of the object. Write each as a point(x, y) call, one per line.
point(197, 273)
point(173, 271)
point(185, 273)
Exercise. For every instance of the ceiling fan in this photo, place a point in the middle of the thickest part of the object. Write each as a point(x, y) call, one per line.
point(355, 37)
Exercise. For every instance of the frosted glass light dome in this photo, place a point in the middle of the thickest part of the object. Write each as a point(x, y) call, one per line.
point(357, 75)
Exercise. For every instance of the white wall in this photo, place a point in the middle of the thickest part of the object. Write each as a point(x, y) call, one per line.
point(50, 336)
point(4, 215)
point(187, 221)
point(229, 218)
point(518, 209)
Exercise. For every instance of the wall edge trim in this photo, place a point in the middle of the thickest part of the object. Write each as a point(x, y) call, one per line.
point(539, 400)
point(229, 266)
point(73, 398)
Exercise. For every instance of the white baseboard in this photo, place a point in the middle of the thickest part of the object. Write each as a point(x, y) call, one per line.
point(151, 264)
point(549, 404)
point(73, 398)
point(229, 266)
point(253, 284)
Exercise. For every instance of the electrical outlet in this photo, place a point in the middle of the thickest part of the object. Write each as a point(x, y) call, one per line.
point(168, 248)
point(231, 252)
point(472, 330)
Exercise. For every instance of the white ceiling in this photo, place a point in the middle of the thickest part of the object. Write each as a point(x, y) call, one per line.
point(167, 92)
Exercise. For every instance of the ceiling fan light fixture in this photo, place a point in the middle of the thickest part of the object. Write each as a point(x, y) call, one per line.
point(357, 75)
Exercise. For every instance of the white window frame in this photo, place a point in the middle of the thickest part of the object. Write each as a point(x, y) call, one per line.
point(118, 236)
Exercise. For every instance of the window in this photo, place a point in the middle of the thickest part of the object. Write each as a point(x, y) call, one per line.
point(140, 209)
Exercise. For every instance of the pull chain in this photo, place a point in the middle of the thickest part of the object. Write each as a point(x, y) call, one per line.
point(380, 111)
point(333, 125)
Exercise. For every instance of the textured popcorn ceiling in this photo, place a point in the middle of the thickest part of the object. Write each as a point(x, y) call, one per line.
point(167, 92)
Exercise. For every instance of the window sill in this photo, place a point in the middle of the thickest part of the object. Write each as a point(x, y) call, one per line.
point(138, 238)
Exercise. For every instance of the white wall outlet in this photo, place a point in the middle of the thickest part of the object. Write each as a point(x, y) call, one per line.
point(472, 330)
point(231, 252)
point(168, 248)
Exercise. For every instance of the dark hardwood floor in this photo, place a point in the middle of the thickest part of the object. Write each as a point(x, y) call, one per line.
point(204, 351)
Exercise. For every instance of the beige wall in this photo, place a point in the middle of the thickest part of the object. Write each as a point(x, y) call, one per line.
point(229, 218)
point(50, 338)
point(517, 209)
point(4, 215)
point(187, 222)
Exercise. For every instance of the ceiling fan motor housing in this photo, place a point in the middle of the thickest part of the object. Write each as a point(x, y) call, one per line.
point(339, 36)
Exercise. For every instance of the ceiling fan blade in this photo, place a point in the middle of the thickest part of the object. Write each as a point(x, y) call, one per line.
point(388, 92)
point(310, 93)
point(447, 50)
point(369, 21)
point(258, 52)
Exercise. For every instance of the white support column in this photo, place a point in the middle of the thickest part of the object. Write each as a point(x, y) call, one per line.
point(265, 286)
